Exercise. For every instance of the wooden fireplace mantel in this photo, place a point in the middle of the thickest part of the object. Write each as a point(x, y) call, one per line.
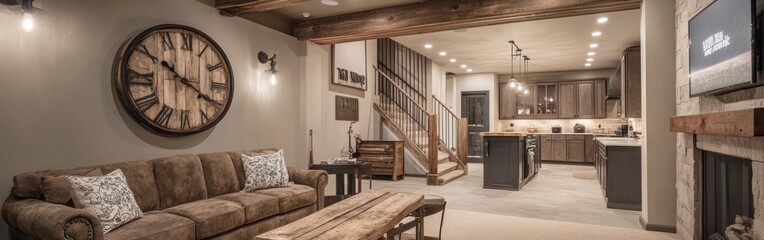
point(740, 123)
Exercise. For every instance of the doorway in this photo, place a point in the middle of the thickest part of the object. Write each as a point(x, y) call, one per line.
point(476, 110)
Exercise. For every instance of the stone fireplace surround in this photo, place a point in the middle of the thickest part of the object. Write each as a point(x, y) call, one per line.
point(688, 170)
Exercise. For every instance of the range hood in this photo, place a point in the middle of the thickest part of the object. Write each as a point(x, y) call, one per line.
point(614, 84)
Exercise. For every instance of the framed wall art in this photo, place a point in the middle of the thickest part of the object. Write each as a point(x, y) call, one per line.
point(345, 108)
point(349, 65)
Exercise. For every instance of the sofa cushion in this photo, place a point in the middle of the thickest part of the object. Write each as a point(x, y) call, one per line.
point(155, 226)
point(108, 197)
point(219, 174)
point(56, 189)
point(180, 179)
point(265, 171)
point(250, 231)
point(140, 179)
point(236, 159)
point(256, 206)
point(211, 216)
point(27, 185)
point(292, 197)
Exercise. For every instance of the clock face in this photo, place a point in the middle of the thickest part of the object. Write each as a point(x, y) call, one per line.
point(174, 80)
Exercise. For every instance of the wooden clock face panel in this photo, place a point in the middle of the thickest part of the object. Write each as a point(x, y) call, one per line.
point(174, 80)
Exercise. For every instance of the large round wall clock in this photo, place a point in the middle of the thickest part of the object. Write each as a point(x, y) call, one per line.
point(174, 80)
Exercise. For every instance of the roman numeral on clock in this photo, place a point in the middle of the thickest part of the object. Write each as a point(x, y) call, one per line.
point(213, 67)
point(142, 49)
point(146, 102)
point(202, 51)
point(134, 77)
point(186, 41)
point(167, 40)
point(221, 86)
point(185, 123)
point(204, 118)
point(163, 117)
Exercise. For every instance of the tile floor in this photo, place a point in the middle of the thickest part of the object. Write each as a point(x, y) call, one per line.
point(553, 195)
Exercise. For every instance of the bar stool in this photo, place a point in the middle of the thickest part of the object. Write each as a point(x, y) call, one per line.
point(432, 205)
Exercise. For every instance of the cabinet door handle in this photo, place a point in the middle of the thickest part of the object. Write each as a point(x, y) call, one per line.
point(485, 148)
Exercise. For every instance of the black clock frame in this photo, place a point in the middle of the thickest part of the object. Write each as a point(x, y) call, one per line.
point(121, 72)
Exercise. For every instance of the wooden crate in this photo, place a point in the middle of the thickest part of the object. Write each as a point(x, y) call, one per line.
point(386, 157)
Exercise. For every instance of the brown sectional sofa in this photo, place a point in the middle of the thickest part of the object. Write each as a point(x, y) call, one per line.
point(182, 197)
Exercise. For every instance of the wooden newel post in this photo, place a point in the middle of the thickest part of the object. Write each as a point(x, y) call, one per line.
point(432, 149)
point(461, 144)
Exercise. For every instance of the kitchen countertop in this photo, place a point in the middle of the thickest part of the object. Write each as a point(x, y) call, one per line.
point(503, 134)
point(620, 141)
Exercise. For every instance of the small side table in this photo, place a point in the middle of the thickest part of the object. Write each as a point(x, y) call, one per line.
point(353, 170)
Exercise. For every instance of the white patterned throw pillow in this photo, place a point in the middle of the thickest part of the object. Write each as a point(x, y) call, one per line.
point(107, 197)
point(265, 171)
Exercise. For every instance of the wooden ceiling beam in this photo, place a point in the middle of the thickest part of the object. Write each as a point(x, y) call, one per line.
point(443, 15)
point(241, 7)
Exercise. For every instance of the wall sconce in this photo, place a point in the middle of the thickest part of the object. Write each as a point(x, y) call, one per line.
point(263, 58)
point(27, 9)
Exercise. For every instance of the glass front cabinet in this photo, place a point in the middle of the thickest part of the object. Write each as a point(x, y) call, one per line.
point(538, 103)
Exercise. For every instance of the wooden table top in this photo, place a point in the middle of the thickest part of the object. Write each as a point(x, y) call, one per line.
point(367, 215)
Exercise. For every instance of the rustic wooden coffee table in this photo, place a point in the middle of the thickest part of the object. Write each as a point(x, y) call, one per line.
point(367, 215)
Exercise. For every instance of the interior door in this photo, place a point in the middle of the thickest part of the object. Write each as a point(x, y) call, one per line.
point(475, 109)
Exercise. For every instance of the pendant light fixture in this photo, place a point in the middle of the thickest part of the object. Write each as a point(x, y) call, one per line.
point(526, 59)
point(517, 82)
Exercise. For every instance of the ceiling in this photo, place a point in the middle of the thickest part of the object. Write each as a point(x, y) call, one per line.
point(319, 10)
point(553, 45)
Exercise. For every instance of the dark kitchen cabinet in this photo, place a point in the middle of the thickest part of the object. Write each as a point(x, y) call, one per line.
point(600, 104)
point(620, 175)
point(585, 96)
point(504, 158)
point(567, 100)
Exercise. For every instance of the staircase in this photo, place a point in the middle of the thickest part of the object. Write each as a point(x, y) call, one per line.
point(435, 136)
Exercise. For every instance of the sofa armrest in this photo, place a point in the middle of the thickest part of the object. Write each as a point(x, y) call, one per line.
point(43, 220)
point(314, 178)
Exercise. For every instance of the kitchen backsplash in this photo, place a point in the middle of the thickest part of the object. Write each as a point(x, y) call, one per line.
point(545, 125)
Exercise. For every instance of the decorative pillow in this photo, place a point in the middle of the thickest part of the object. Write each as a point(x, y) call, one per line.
point(56, 189)
point(265, 171)
point(108, 197)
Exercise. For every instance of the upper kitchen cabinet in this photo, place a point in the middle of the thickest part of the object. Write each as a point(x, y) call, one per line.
point(585, 96)
point(506, 102)
point(546, 102)
point(567, 100)
point(631, 91)
point(600, 104)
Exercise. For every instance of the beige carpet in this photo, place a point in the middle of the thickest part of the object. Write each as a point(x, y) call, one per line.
point(460, 224)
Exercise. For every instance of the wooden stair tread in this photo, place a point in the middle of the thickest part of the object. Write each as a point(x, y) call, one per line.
point(448, 177)
point(445, 168)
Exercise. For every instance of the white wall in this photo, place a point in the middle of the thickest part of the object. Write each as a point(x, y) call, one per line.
point(659, 145)
point(450, 92)
point(479, 82)
point(329, 135)
point(59, 108)
point(438, 77)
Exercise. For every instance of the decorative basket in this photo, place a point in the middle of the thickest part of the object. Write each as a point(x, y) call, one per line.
point(532, 129)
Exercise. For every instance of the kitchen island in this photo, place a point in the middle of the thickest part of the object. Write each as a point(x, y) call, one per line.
point(619, 168)
point(507, 163)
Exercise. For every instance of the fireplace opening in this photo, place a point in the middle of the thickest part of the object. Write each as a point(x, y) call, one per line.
point(727, 197)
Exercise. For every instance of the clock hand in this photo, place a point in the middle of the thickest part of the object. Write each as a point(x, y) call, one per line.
point(185, 81)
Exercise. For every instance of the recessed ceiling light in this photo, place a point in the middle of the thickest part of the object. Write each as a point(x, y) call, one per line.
point(588, 64)
point(594, 45)
point(602, 20)
point(469, 70)
point(428, 46)
point(589, 59)
point(590, 54)
point(452, 60)
point(442, 53)
point(330, 2)
point(463, 66)
point(597, 34)
point(306, 14)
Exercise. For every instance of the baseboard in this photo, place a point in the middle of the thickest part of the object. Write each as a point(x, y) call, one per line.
point(624, 206)
point(656, 227)
point(415, 175)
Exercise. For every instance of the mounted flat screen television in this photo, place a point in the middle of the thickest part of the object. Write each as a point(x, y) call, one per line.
point(723, 47)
